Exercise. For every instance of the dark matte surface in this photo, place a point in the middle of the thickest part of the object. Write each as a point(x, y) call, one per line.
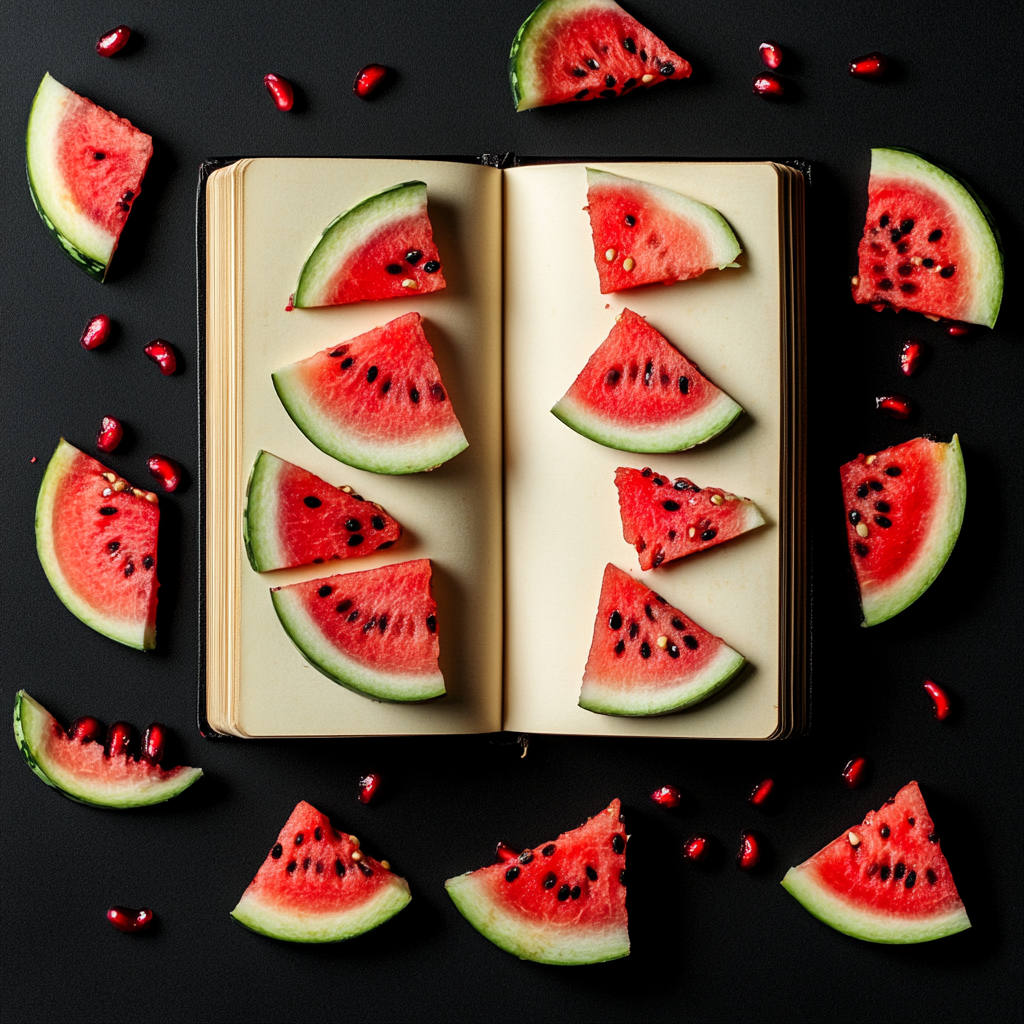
point(709, 944)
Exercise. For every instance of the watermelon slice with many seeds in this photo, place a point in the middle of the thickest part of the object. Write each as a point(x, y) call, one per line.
point(318, 885)
point(562, 902)
point(885, 880)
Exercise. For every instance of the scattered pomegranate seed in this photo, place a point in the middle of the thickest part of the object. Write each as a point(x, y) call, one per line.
point(750, 852)
point(281, 91)
point(369, 80)
point(771, 54)
point(762, 792)
point(119, 739)
point(667, 796)
point(128, 919)
point(696, 849)
point(504, 852)
point(163, 355)
point(35, 458)
point(85, 729)
point(880, 307)
point(291, 303)
point(166, 471)
point(871, 65)
point(958, 330)
point(110, 434)
point(97, 331)
point(368, 786)
point(943, 705)
point(113, 41)
point(154, 742)
point(910, 356)
point(855, 772)
point(768, 85)
point(899, 407)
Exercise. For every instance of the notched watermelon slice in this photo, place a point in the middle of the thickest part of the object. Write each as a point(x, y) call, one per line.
point(562, 902)
point(376, 402)
point(374, 631)
point(96, 536)
point(904, 509)
point(383, 248)
point(85, 170)
point(929, 245)
point(586, 50)
point(644, 234)
point(639, 394)
point(293, 517)
point(885, 880)
point(648, 658)
point(318, 885)
point(83, 771)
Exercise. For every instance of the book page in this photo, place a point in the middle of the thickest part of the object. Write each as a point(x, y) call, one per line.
point(561, 506)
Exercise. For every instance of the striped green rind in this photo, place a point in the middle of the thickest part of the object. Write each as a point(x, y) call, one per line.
point(260, 514)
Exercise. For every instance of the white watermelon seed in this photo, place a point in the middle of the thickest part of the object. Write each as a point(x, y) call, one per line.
point(628, 264)
point(662, 642)
point(854, 839)
point(693, 531)
point(609, 255)
point(647, 79)
point(716, 499)
point(409, 283)
point(862, 530)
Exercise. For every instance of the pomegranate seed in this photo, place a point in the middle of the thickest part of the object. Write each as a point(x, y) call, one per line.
point(166, 471)
point(128, 919)
point(768, 85)
point(97, 331)
point(943, 705)
point(696, 849)
point(163, 355)
point(369, 80)
point(855, 772)
point(504, 852)
point(281, 91)
point(958, 330)
point(113, 41)
point(880, 307)
point(119, 739)
point(110, 434)
point(153, 743)
point(771, 54)
point(899, 407)
point(762, 792)
point(750, 852)
point(871, 65)
point(368, 786)
point(291, 303)
point(910, 356)
point(35, 458)
point(667, 796)
point(86, 729)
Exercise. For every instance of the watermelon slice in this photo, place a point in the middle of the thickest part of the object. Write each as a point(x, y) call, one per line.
point(83, 771)
point(885, 880)
point(904, 508)
point(96, 536)
point(929, 245)
point(376, 402)
point(373, 631)
point(85, 169)
point(644, 233)
point(666, 519)
point(562, 902)
point(586, 50)
point(648, 658)
point(639, 394)
point(382, 248)
point(292, 517)
point(318, 885)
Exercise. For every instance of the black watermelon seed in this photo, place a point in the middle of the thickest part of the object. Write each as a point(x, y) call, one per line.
point(622, 877)
point(678, 623)
point(549, 880)
point(353, 616)
point(582, 92)
point(325, 591)
point(277, 851)
point(633, 630)
point(883, 521)
point(608, 94)
point(904, 270)
point(947, 271)
point(906, 226)
point(660, 599)
point(620, 647)
point(318, 561)
point(512, 874)
point(684, 385)
point(526, 856)
point(657, 481)
point(900, 870)
point(645, 472)
point(645, 650)
point(346, 362)
point(673, 651)
point(875, 485)
point(670, 506)
point(609, 80)
point(884, 831)
point(612, 377)
point(432, 623)
point(370, 623)
point(667, 69)
point(385, 545)
point(882, 506)
point(862, 491)
point(299, 836)
point(883, 221)
point(933, 837)
point(413, 256)
point(861, 549)
point(306, 863)
point(630, 83)
point(649, 612)
point(643, 56)
point(385, 387)
point(365, 868)
point(108, 510)
point(671, 534)
point(691, 642)
point(129, 569)
point(895, 235)
point(928, 262)
point(339, 868)
point(884, 873)
point(318, 833)
point(113, 546)
point(343, 607)
point(935, 235)
point(338, 352)
point(548, 850)
point(648, 373)
point(352, 525)
point(563, 893)
point(291, 866)
point(147, 562)
point(908, 289)
point(591, 873)
point(394, 268)
point(854, 516)
point(593, 65)
point(931, 876)
point(574, 892)
point(437, 392)
point(371, 374)
point(615, 620)
point(885, 284)
point(911, 879)
point(319, 867)
point(629, 218)
point(618, 842)
point(658, 559)
point(377, 522)
point(893, 471)
point(628, 45)
point(431, 267)
point(579, 72)
point(355, 540)
point(414, 395)
point(310, 502)
point(709, 535)
point(382, 623)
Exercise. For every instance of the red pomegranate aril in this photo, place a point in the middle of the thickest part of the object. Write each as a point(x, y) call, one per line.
point(369, 80)
point(505, 853)
point(667, 796)
point(762, 793)
point(96, 332)
point(696, 849)
point(154, 742)
point(281, 91)
point(368, 786)
point(85, 729)
point(958, 330)
point(880, 307)
point(768, 85)
point(871, 65)
point(771, 54)
point(163, 355)
point(855, 772)
point(899, 407)
point(119, 739)
point(749, 855)
point(910, 357)
point(113, 41)
point(940, 699)
point(128, 919)
point(110, 434)
point(166, 471)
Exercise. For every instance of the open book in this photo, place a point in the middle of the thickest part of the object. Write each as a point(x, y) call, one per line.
point(520, 525)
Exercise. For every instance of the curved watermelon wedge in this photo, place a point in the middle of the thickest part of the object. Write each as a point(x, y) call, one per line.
point(904, 509)
point(318, 885)
point(85, 170)
point(383, 248)
point(639, 394)
point(83, 771)
point(644, 233)
point(562, 902)
point(929, 244)
point(586, 50)
point(376, 402)
point(648, 658)
point(374, 632)
point(96, 536)
point(886, 880)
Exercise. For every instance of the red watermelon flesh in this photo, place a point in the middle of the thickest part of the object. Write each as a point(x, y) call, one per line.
point(318, 885)
point(665, 519)
point(562, 902)
point(648, 658)
point(885, 880)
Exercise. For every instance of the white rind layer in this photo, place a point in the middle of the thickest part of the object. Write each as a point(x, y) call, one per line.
point(261, 516)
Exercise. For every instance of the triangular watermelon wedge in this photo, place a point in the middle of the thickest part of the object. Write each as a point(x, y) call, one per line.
point(885, 880)
point(639, 394)
point(562, 902)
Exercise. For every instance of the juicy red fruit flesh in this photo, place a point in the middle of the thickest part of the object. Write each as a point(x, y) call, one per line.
point(96, 332)
point(110, 434)
point(368, 786)
point(369, 80)
point(667, 796)
point(899, 407)
point(871, 65)
point(855, 772)
point(113, 41)
point(281, 91)
point(128, 919)
point(697, 848)
point(762, 792)
point(166, 471)
point(940, 699)
point(86, 729)
point(119, 739)
point(768, 85)
point(749, 855)
point(910, 357)
point(163, 355)
point(771, 54)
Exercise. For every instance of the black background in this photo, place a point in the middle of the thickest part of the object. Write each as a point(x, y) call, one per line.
point(708, 944)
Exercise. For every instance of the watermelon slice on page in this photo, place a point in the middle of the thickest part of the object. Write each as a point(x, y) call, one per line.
point(562, 902)
point(383, 248)
point(929, 245)
point(82, 770)
point(639, 394)
point(376, 402)
point(665, 519)
point(374, 632)
point(293, 517)
point(885, 880)
point(85, 170)
point(648, 658)
point(318, 885)
point(586, 50)
point(904, 509)
point(644, 233)
point(96, 536)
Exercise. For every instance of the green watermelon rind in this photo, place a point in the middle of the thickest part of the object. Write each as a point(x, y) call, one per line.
point(260, 513)
point(31, 720)
point(975, 220)
point(802, 883)
point(391, 687)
